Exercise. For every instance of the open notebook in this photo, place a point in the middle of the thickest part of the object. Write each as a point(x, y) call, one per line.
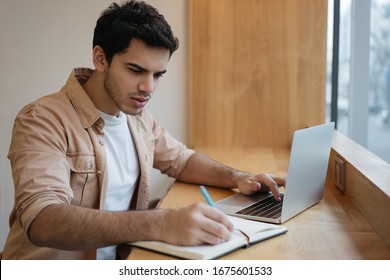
point(246, 233)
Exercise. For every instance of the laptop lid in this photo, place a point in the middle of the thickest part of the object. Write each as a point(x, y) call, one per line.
point(306, 176)
point(307, 169)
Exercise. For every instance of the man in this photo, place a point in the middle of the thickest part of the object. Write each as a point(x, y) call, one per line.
point(82, 158)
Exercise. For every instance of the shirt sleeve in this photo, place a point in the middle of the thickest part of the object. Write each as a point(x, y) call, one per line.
point(170, 155)
point(39, 167)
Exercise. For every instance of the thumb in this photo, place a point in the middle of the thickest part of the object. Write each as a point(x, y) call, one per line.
point(251, 188)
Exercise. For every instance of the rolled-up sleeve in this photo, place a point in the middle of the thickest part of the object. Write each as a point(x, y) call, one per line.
point(170, 155)
point(39, 167)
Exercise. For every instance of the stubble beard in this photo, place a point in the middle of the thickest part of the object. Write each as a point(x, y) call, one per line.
point(111, 88)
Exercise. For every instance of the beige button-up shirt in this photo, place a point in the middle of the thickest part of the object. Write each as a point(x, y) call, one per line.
point(57, 156)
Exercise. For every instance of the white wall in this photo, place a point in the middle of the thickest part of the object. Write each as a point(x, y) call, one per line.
point(41, 41)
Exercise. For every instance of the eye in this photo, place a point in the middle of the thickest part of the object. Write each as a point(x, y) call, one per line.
point(158, 75)
point(136, 70)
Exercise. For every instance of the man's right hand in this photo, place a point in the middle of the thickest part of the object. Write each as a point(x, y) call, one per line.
point(196, 224)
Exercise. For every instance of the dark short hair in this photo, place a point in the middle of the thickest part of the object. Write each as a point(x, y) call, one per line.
point(119, 24)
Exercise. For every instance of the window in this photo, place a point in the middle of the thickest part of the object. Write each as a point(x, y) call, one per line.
point(362, 83)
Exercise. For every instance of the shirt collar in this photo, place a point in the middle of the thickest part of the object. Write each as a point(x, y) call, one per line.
point(81, 102)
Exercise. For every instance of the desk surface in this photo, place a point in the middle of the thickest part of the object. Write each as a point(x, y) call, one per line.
point(331, 229)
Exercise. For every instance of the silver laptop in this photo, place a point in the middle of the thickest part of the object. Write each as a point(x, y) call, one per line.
point(306, 177)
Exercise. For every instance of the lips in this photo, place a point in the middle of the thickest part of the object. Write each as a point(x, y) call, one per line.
point(140, 102)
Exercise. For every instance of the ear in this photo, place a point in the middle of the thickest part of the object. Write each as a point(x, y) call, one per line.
point(99, 59)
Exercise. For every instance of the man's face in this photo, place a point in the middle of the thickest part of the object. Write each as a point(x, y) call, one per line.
point(133, 76)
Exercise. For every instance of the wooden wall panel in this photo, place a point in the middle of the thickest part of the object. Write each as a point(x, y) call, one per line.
point(257, 70)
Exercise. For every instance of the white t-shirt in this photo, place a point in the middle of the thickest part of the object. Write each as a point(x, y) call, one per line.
point(123, 169)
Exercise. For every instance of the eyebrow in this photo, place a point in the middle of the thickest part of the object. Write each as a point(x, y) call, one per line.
point(140, 68)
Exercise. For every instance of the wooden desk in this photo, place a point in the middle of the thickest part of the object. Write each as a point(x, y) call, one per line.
point(331, 229)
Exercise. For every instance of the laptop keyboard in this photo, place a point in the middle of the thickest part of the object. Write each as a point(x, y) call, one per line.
point(268, 208)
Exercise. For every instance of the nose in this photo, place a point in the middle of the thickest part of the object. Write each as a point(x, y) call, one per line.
point(146, 84)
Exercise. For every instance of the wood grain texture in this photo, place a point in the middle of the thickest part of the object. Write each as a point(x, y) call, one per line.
point(257, 71)
point(367, 182)
point(332, 229)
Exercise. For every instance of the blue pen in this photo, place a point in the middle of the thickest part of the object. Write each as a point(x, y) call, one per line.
point(207, 196)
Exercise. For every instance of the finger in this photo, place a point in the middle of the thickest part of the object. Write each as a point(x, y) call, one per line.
point(251, 187)
point(214, 233)
point(206, 237)
point(215, 226)
point(273, 186)
point(281, 181)
point(219, 217)
point(255, 187)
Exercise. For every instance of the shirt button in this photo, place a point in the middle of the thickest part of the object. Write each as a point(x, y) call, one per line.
point(90, 164)
point(101, 142)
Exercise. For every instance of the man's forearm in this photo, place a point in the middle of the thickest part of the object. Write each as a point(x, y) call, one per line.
point(70, 227)
point(201, 169)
